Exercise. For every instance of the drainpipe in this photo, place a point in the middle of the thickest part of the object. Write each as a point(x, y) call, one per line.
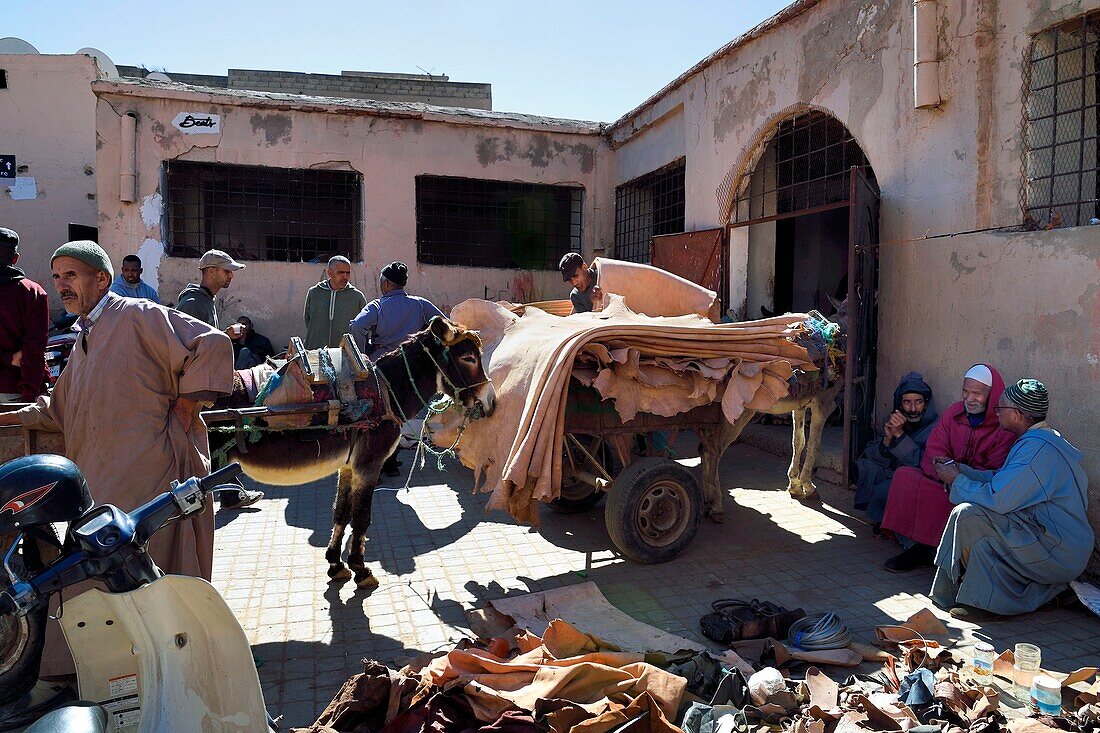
point(127, 180)
point(926, 81)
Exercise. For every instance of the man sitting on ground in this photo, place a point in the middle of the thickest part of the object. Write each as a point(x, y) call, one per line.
point(129, 284)
point(583, 278)
point(1018, 535)
point(250, 348)
point(901, 443)
point(918, 505)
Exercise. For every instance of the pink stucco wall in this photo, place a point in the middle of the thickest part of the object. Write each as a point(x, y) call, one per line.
point(47, 120)
point(388, 151)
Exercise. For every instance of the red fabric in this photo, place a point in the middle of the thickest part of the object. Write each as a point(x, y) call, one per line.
point(24, 322)
point(917, 505)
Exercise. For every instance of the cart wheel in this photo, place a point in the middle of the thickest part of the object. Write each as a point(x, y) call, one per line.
point(577, 496)
point(653, 510)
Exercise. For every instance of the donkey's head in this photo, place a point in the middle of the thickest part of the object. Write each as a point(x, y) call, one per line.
point(461, 370)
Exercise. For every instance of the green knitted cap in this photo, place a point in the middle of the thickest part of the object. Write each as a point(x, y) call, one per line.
point(87, 252)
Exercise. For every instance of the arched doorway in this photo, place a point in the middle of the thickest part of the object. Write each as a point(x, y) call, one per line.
point(806, 219)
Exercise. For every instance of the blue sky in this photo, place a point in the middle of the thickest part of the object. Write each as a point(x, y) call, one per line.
point(569, 58)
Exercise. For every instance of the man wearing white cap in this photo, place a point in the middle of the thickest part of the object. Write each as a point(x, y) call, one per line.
point(968, 432)
point(197, 301)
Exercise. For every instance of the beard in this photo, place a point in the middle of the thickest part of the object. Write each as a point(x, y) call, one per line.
point(974, 408)
point(913, 417)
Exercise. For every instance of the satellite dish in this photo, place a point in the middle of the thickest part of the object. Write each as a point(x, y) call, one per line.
point(107, 66)
point(158, 76)
point(14, 45)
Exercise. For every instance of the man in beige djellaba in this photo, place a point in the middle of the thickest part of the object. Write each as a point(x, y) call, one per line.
point(128, 406)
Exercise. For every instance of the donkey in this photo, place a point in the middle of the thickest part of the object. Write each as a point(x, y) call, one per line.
point(812, 397)
point(443, 358)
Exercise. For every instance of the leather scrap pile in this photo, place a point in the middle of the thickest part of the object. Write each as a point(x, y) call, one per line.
point(568, 680)
point(659, 364)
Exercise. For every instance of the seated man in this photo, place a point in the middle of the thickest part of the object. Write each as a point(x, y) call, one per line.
point(901, 443)
point(917, 505)
point(250, 348)
point(583, 278)
point(1020, 534)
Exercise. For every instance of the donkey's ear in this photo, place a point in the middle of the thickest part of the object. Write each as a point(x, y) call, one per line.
point(443, 330)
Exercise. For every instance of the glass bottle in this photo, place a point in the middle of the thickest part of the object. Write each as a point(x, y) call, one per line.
point(1024, 669)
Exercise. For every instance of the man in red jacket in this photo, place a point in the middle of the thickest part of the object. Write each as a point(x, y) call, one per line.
point(968, 432)
point(24, 323)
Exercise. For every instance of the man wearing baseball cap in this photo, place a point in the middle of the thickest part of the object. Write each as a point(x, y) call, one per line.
point(197, 299)
point(582, 277)
point(24, 323)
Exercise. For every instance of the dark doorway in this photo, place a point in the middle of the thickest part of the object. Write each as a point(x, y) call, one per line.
point(811, 209)
point(811, 261)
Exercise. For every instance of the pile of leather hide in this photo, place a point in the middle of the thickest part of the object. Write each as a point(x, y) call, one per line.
point(663, 365)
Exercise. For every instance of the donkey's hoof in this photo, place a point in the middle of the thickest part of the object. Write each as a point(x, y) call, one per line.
point(339, 572)
point(366, 582)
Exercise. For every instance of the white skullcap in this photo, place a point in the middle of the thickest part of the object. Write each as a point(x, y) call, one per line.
point(980, 373)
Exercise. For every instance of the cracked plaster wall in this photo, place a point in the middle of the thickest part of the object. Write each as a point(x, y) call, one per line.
point(389, 152)
point(1028, 302)
point(47, 117)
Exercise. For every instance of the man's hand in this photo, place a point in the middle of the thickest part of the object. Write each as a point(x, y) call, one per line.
point(894, 427)
point(184, 409)
point(946, 469)
point(17, 358)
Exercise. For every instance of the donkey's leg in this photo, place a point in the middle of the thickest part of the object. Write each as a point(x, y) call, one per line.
point(820, 409)
point(714, 443)
point(341, 515)
point(360, 522)
point(798, 444)
point(371, 451)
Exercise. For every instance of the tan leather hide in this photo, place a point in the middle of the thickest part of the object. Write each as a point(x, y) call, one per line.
point(664, 366)
point(652, 291)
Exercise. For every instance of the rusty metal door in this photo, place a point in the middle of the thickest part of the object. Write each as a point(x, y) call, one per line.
point(696, 256)
point(859, 375)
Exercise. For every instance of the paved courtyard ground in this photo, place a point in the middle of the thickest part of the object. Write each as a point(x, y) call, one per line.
point(437, 555)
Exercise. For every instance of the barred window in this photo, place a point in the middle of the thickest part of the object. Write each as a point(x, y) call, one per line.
point(646, 206)
point(259, 213)
point(477, 223)
point(1061, 119)
point(806, 165)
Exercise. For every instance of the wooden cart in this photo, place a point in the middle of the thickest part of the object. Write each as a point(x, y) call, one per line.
point(654, 504)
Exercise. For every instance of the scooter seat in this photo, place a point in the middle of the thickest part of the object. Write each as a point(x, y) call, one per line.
point(80, 717)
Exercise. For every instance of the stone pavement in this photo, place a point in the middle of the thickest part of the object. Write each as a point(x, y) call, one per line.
point(438, 555)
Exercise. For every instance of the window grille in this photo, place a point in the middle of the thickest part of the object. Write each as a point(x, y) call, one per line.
point(647, 206)
point(804, 166)
point(1061, 117)
point(479, 223)
point(257, 213)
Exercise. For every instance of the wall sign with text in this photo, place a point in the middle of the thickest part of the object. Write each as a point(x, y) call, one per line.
point(198, 123)
point(7, 166)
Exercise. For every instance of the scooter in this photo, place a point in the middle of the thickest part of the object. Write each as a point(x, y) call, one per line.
point(60, 340)
point(155, 652)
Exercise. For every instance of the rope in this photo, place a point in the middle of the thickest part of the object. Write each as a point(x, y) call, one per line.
point(819, 631)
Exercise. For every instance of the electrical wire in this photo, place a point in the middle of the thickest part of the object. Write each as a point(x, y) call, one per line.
point(819, 631)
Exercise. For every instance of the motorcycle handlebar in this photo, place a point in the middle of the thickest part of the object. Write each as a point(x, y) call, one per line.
point(222, 475)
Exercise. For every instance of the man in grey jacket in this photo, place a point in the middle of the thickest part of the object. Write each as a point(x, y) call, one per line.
point(331, 304)
point(197, 301)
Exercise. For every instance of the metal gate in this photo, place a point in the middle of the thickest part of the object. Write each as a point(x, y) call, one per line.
point(696, 256)
point(859, 375)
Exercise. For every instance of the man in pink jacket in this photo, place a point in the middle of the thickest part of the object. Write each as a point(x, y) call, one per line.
point(968, 432)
